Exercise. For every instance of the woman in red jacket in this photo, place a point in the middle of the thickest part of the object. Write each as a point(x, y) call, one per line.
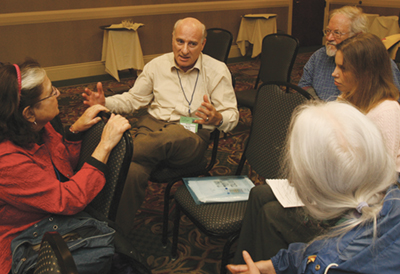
point(36, 163)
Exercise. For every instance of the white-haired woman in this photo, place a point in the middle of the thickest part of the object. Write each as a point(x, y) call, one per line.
point(339, 165)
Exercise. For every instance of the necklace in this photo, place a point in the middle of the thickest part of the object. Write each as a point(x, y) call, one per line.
point(194, 89)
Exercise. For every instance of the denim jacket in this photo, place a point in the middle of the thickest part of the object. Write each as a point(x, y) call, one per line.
point(354, 252)
point(91, 243)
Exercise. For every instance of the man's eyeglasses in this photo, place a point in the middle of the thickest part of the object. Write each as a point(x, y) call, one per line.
point(55, 92)
point(337, 34)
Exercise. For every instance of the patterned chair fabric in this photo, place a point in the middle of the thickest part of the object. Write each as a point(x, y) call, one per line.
point(106, 202)
point(54, 256)
point(272, 113)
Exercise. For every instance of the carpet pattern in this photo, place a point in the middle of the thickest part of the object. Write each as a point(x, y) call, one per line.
point(197, 253)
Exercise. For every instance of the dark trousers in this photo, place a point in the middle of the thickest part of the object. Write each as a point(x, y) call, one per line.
point(268, 227)
point(156, 141)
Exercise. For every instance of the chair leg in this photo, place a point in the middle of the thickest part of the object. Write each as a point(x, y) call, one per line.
point(174, 249)
point(167, 192)
point(225, 252)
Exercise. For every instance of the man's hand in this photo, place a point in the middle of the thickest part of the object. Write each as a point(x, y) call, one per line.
point(264, 267)
point(94, 98)
point(208, 114)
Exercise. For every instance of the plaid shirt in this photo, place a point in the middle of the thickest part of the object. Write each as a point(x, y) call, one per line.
point(317, 73)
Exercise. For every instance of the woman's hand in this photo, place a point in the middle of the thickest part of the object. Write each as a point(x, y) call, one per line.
point(88, 118)
point(113, 130)
point(264, 267)
point(112, 133)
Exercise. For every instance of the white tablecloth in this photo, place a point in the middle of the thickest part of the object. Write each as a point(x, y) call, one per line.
point(253, 28)
point(121, 50)
point(383, 26)
point(371, 18)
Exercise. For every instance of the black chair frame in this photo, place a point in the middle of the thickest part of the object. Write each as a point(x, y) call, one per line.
point(224, 45)
point(105, 203)
point(278, 55)
point(181, 173)
point(278, 83)
point(261, 71)
point(230, 237)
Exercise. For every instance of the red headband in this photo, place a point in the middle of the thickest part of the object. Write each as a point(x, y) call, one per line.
point(19, 78)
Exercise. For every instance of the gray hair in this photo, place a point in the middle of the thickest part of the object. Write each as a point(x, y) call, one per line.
point(203, 29)
point(359, 21)
point(32, 77)
point(336, 159)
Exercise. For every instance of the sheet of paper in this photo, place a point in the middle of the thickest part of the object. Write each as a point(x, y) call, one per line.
point(284, 193)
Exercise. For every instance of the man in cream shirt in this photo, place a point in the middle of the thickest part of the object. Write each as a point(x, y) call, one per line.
point(182, 83)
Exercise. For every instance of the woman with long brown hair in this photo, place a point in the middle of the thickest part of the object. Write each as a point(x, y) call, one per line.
point(363, 75)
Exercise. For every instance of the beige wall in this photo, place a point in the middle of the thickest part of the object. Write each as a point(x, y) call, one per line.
point(45, 5)
point(64, 36)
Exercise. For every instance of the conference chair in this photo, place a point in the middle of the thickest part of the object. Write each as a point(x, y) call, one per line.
point(107, 201)
point(278, 54)
point(105, 205)
point(54, 256)
point(164, 174)
point(218, 44)
point(272, 114)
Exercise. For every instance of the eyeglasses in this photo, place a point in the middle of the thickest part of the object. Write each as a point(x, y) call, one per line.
point(55, 92)
point(337, 34)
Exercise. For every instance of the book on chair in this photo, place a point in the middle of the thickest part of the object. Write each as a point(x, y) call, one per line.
point(219, 189)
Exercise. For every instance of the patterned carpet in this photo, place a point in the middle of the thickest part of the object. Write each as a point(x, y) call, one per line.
point(197, 253)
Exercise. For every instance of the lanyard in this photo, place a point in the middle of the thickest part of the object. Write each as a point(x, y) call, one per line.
point(194, 89)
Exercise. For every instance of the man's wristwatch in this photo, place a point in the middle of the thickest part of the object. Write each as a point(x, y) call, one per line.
point(220, 123)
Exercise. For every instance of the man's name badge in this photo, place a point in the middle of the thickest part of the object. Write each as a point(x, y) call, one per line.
point(187, 122)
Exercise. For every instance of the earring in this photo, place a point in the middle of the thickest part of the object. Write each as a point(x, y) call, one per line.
point(35, 123)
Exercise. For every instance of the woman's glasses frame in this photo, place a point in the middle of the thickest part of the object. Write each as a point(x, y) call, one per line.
point(55, 92)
